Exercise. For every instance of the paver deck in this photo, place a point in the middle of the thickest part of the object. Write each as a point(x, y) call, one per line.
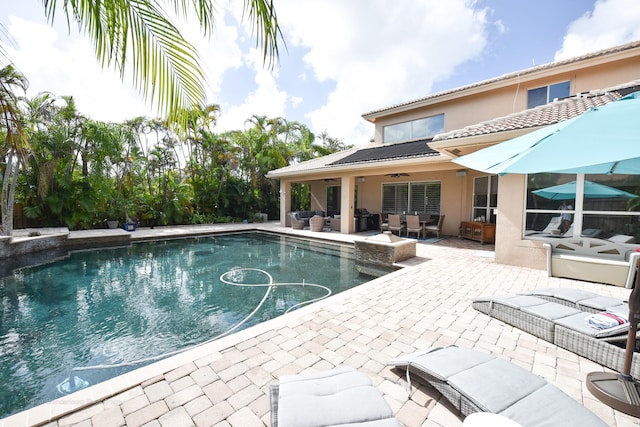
point(226, 383)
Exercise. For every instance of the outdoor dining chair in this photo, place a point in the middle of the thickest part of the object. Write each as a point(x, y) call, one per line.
point(437, 229)
point(395, 224)
point(413, 225)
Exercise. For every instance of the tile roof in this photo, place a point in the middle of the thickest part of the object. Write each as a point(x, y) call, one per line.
point(511, 75)
point(403, 150)
point(545, 114)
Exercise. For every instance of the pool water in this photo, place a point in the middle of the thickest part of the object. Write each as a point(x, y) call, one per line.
point(97, 314)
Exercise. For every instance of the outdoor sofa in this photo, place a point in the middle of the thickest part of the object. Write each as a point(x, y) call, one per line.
point(474, 381)
point(590, 259)
point(559, 316)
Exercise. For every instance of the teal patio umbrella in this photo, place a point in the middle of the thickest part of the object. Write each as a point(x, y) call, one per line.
point(602, 140)
point(592, 190)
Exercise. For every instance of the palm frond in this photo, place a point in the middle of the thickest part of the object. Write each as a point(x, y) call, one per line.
point(263, 17)
point(139, 34)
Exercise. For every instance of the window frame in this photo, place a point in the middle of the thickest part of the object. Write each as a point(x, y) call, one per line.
point(579, 213)
point(488, 208)
point(408, 130)
point(404, 200)
point(549, 89)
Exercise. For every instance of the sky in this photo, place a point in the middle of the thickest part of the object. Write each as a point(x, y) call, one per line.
point(342, 58)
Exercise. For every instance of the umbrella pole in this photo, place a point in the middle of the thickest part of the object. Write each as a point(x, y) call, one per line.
point(621, 391)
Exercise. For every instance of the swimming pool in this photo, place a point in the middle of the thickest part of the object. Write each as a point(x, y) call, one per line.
point(97, 314)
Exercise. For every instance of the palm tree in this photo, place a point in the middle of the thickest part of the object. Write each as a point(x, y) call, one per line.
point(140, 34)
point(14, 149)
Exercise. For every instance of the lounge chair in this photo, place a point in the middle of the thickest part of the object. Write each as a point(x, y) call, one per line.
point(340, 396)
point(559, 316)
point(478, 382)
point(437, 228)
point(395, 224)
point(622, 239)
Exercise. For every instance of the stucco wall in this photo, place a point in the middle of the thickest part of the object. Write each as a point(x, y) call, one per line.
point(510, 96)
point(510, 247)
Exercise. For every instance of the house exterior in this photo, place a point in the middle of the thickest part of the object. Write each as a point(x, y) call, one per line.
point(409, 169)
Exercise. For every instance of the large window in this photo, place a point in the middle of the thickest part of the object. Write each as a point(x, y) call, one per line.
point(421, 128)
point(546, 94)
point(602, 206)
point(413, 197)
point(485, 198)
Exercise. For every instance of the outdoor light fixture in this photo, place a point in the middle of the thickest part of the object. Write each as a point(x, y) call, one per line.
point(621, 391)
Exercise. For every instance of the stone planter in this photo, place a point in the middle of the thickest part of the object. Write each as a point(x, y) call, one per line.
point(381, 252)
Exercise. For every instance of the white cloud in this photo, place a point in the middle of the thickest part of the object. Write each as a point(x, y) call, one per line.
point(612, 23)
point(219, 53)
point(357, 56)
point(70, 69)
point(378, 54)
point(267, 100)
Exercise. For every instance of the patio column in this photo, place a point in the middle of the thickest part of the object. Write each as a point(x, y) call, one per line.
point(347, 193)
point(285, 201)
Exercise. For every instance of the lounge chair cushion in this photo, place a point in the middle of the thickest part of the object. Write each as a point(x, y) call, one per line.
point(577, 323)
point(550, 311)
point(338, 397)
point(549, 406)
point(568, 294)
point(482, 382)
point(496, 384)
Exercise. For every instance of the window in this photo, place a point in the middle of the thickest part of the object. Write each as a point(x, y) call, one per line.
point(414, 197)
point(599, 206)
point(546, 94)
point(420, 128)
point(333, 199)
point(485, 198)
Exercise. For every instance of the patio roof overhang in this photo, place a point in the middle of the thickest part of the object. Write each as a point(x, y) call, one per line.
point(438, 162)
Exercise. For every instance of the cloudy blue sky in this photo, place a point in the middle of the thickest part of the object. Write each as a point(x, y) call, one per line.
point(343, 58)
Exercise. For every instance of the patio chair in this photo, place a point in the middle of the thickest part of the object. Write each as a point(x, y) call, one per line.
point(334, 223)
point(474, 381)
point(316, 223)
point(384, 222)
point(340, 396)
point(296, 224)
point(437, 228)
point(413, 225)
point(395, 224)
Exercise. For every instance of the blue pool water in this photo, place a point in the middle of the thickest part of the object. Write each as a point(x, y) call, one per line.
point(118, 309)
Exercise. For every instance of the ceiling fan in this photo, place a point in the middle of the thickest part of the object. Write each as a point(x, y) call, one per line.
point(397, 175)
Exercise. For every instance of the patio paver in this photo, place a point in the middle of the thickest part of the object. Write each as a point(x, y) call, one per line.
point(429, 304)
